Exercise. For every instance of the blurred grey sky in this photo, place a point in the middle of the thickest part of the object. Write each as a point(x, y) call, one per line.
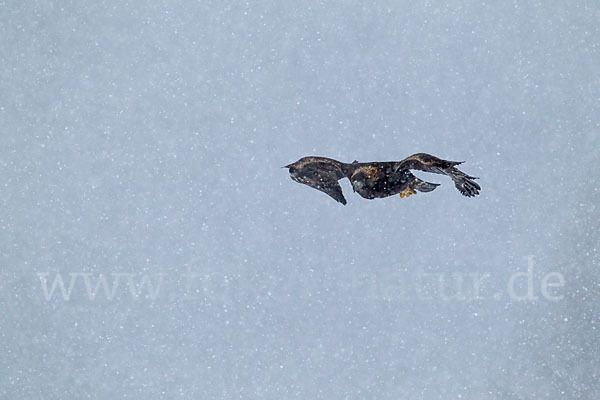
point(147, 139)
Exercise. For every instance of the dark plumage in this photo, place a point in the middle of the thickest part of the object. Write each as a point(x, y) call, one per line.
point(379, 179)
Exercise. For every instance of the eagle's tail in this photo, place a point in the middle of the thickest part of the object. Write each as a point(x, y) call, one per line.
point(423, 186)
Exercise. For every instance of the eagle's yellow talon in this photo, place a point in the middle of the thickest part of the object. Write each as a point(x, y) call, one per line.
point(407, 192)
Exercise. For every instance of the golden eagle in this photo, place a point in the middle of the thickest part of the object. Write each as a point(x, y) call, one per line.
point(379, 179)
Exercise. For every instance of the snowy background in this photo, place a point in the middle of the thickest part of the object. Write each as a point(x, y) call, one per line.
point(142, 142)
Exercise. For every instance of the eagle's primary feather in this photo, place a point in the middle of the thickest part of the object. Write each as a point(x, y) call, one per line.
point(379, 179)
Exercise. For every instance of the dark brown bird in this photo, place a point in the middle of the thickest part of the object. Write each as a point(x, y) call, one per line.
point(379, 179)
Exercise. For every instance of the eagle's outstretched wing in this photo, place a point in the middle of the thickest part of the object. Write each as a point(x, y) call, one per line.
point(428, 163)
point(319, 173)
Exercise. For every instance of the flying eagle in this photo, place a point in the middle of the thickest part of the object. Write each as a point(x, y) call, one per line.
point(379, 179)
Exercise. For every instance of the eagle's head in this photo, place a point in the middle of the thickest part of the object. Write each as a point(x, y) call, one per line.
point(360, 180)
point(357, 184)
